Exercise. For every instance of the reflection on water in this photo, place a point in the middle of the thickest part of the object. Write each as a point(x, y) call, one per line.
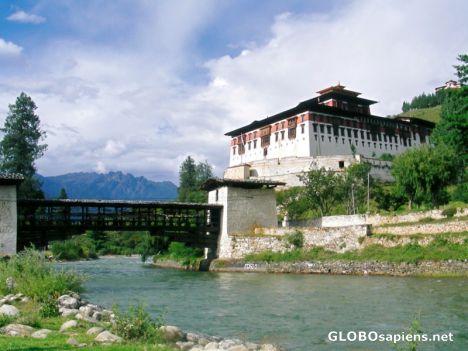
point(296, 311)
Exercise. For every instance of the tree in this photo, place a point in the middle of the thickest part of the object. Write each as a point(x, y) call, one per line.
point(462, 69)
point(355, 186)
point(422, 174)
point(20, 146)
point(191, 177)
point(452, 130)
point(323, 189)
point(63, 194)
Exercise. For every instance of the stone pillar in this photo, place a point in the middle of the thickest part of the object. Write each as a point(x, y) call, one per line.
point(8, 219)
point(243, 211)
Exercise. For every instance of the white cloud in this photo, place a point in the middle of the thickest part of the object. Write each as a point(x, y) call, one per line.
point(109, 107)
point(7, 48)
point(24, 17)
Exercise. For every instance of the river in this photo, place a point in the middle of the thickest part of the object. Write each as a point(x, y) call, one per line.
point(296, 311)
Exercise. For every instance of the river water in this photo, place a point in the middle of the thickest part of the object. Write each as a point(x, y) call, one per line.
point(296, 311)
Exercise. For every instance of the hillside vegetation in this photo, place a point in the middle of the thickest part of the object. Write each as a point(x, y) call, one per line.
point(431, 114)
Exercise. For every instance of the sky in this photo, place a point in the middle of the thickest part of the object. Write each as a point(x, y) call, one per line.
point(138, 85)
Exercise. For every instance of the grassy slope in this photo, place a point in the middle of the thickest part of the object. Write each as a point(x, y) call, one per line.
point(431, 114)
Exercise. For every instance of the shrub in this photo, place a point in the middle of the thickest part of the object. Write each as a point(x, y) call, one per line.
point(449, 212)
point(5, 320)
point(36, 277)
point(183, 254)
point(136, 324)
point(49, 309)
point(296, 239)
point(75, 248)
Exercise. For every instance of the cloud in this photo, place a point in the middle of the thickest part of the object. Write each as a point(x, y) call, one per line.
point(7, 48)
point(24, 17)
point(131, 103)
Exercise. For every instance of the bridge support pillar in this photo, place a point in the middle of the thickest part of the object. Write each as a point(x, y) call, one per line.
point(247, 205)
point(8, 214)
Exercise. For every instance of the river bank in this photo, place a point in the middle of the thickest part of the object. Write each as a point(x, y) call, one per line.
point(425, 268)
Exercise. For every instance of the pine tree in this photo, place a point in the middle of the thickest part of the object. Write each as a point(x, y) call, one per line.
point(20, 146)
point(63, 194)
point(462, 69)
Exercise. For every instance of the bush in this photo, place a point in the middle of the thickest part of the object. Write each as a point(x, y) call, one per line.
point(75, 248)
point(136, 324)
point(185, 255)
point(449, 212)
point(49, 309)
point(296, 239)
point(36, 277)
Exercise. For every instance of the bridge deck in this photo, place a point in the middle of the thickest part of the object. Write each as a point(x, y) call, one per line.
point(41, 221)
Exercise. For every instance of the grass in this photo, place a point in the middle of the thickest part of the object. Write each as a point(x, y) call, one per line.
point(36, 277)
point(440, 249)
point(178, 252)
point(431, 114)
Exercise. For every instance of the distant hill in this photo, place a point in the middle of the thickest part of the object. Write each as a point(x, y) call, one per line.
point(431, 114)
point(109, 186)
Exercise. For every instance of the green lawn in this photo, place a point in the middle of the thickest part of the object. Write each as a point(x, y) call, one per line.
point(431, 114)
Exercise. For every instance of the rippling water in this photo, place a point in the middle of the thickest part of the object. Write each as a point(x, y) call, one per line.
point(296, 311)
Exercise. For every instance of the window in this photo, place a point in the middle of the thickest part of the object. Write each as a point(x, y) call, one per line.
point(322, 138)
point(265, 151)
point(250, 144)
point(342, 131)
point(217, 195)
point(385, 138)
point(362, 144)
point(356, 134)
point(368, 144)
point(349, 133)
point(276, 136)
point(302, 128)
point(282, 135)
point(349, 141)
point(265, 140)
point(380, 137)
point(329, 129)
point(241, 149)
point(375, 145)
point(315, 127)
point(368, 135)
point(291, 133)
point(234, 150)
point(362, 134)
point(315, 136)
point(255, 143)
point(322, 129)
point(380, 146)
point(342, 140)
point(340, 164)
point(329, 139)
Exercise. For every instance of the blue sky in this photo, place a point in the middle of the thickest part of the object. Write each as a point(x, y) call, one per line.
point(138, 85)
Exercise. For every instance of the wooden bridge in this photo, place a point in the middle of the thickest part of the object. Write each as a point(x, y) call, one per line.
point(42, 221)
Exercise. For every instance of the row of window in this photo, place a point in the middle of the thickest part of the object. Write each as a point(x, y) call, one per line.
point(363, 143)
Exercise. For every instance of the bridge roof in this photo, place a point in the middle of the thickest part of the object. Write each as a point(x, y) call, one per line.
point(215, 183)
point(117, 203)
point(10, 178)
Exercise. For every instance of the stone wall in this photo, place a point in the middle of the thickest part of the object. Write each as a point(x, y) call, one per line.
point(275, 239)
point(345, 267)
point(377, 220)
point(8, 220)
point(427, 228)
point(422, 240)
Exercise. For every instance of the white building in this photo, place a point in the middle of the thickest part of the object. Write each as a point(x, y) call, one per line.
point(331, 130)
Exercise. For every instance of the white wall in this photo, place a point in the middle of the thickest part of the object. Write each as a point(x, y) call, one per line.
point(8, 220)
point(243, 211)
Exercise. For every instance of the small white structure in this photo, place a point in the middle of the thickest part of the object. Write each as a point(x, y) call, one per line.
point(247, 205)
point(8, 213)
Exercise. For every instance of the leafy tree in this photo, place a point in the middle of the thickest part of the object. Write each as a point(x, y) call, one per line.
point(355, 186)
point(452, 130)
point(323, 189)
point(191, 177)
point(63, 194)
point(20, 146)
point(462, 69)
point(422, 174)
point(292, 203)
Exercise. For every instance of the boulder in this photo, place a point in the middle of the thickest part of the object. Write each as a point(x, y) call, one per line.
point(68, 301)
point(17, 330)
point(171, 333)
point(251, 346)
point(41, 334)
point(268, 347)
point(9, 310)
point(212, 346)
point(74, 342)
point(67, 312)
point(68, 325)
point(238, 348)
point(94, 331)
point(226, 344)
point(185, 345)
point(107, 337)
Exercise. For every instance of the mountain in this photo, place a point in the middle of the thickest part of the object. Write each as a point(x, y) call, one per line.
point(109, 186)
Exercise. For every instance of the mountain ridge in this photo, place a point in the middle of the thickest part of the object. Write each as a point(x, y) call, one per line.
point(107, 186)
